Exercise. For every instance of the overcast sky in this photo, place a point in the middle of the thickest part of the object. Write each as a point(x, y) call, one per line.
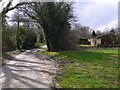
point(97, 14)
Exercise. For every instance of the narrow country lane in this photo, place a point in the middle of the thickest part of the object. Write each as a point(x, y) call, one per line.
point(28, 70)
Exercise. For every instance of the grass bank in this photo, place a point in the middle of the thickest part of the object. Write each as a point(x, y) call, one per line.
point(89, 68)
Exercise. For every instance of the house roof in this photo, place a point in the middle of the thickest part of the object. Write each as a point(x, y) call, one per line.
point(103, 35)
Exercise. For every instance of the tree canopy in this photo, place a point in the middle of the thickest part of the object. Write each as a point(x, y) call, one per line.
point(55, 18)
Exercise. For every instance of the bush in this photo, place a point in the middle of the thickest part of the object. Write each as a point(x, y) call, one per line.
point(8, 40)
point(26, 39)
point(23, 38)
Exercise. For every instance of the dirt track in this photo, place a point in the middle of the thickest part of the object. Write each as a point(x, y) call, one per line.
point(28, 70)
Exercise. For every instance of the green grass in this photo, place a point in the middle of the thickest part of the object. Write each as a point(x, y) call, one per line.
point(86, 45)
point(95, 68)
point(38, 44)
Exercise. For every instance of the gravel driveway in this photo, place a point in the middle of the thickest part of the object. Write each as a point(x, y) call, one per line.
point(28, 70)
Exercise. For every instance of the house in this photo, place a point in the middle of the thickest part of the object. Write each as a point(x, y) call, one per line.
point(108, 39)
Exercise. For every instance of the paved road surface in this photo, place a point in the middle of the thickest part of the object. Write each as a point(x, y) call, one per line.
point(28, 70)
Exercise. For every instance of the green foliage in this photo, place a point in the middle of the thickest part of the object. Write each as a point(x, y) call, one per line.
point(8, 40)
point(90, 68)
point(55, 18)
point(23, 38)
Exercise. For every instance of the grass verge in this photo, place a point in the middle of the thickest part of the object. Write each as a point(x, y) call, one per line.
point(91, 68)
point(86, 45)
point(38, 44)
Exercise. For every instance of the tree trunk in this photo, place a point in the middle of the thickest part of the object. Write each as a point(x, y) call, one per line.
point(48, 44)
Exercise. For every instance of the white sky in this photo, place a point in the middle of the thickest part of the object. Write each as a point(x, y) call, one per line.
point(97, 14)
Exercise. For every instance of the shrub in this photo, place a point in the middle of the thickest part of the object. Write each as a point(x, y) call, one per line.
point(23, 38)
point(8, 40)
point(26, 39)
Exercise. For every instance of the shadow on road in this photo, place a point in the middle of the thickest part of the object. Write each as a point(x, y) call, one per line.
point(24, 73)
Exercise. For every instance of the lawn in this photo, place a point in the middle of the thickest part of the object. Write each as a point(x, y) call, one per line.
point(86, 45)
point(90, 68)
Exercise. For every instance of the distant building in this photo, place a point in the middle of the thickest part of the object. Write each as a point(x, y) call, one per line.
point(108, 39)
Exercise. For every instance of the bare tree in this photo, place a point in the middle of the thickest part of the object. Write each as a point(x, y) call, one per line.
point(6, 9)
point(98, 32)
point(82, 31)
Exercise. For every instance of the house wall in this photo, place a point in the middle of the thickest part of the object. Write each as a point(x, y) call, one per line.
point(108, 40)
point(98, 41)
point(93, 42)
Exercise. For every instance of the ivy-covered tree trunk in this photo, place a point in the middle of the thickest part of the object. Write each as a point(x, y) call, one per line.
point(55, 18)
